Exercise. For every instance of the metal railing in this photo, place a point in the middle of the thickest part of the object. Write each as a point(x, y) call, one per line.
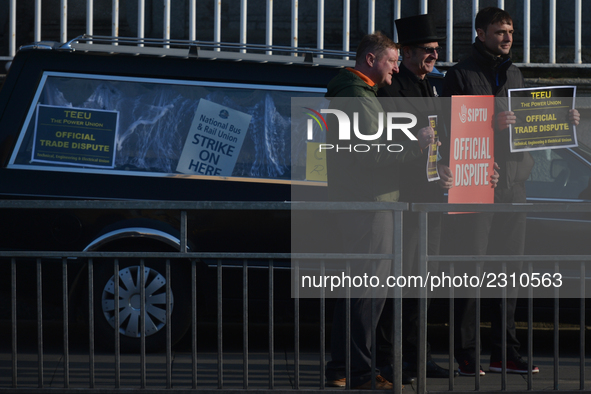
point(206, 372)
point(425, 209)
point(295, 19)
point(216, 379)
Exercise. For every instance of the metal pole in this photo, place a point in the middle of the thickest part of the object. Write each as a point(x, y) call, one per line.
point(477, 336)
point(166, 22)
point(12, 27)
point(14, 321)
point(451, 329)
point(64, 21)
point(66, 323)
point(38, 20)
point(141, 278)
point(320, 27)
point(397, 15)
point(183, 232)
point(348, 329)
point(322, 327)
point(193, 324)
point(582, 328)
point(346, 27)
point(115, 19)
point(89, 17)
point(475, 7)
point(193, 20)
point(504, 332)
point(397, 345)
point(271, 328)
point(243, 23)
point(217, 23)
point(294, 25)
point(552, 33)
point(245, 323)
point(168, 328)
point(296, 328)
point(374, 324)
point(141, 14)
point(117, 321)
point(422, 301)
point(578, 29)
point(269, 30)
point(91, 366)
point(530, 330)
point(219, 327)
point(39, 325)
point(556, 332)
point(371, 16)
point(526, 30)
point(450, 31)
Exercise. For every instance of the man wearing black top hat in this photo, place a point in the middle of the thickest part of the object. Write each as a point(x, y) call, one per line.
point(419, 41)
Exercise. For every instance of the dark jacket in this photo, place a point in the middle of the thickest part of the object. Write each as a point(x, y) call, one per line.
point(417, 97)
point(485, 74)
point(362, 176)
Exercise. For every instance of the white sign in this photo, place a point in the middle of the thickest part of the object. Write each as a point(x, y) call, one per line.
point(214, 140)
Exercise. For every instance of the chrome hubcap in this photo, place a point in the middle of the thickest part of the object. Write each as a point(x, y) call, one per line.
point(129, 301)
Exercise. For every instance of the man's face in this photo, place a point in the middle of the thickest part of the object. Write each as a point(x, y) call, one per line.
point(418, 59)
point(384, 67)
point(498, 38)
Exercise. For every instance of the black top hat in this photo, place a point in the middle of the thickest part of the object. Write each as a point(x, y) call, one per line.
point(417, 29)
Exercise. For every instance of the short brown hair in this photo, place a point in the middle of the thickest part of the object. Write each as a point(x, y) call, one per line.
point(490, 16)
point(375, 43)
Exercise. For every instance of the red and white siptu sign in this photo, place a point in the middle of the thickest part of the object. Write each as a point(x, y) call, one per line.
point(472, 149)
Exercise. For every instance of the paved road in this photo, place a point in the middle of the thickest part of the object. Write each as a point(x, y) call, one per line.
point(258, 362)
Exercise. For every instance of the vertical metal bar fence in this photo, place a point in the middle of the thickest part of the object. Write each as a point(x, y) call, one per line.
point(89, 12)
point(93, 270)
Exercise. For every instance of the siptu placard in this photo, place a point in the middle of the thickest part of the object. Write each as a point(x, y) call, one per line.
point(472, 149)
point(75, 136)
point(542, 118)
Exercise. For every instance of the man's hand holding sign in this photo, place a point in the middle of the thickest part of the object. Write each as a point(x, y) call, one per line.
point(541, 118)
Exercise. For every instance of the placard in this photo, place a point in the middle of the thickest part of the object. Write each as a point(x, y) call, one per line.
point(315, 162)
point(75, 136)
point(542, 118)
point(214, 140)
point(472, 149)
point(432, 170)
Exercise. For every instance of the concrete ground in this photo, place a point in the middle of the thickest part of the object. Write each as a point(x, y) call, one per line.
point(257, 369)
